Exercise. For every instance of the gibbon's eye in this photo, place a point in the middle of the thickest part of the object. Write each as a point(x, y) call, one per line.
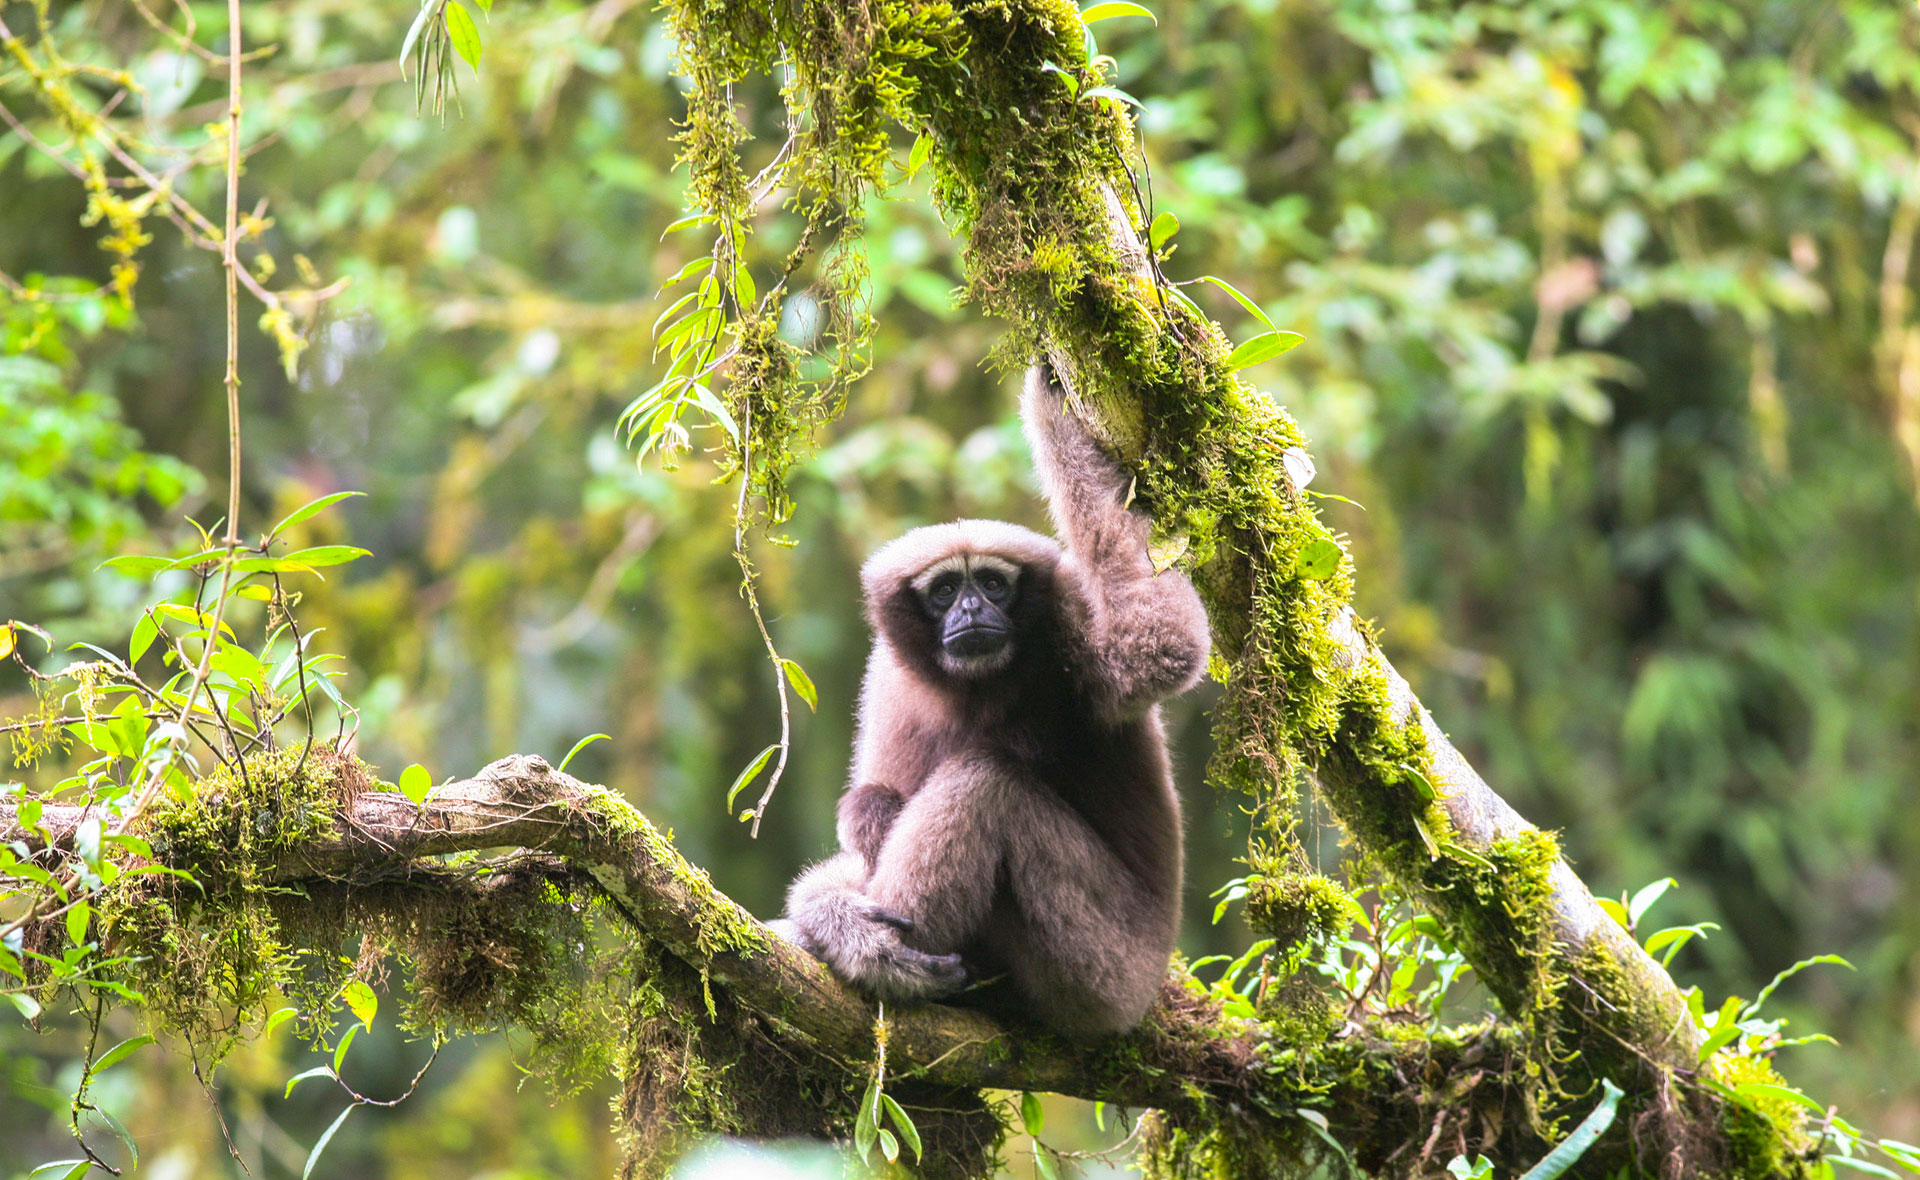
point(943, 592)
point(993, 584)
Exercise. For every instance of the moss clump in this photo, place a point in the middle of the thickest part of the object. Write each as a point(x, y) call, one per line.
point(486, 944)
point(206, 951)
point(1768, 1138)
point(1300, 909)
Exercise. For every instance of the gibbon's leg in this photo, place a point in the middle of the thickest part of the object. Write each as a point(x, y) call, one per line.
point(1088, 955)
point(1144, 636)
point(865, 815)
point(830, 915)
point(897, 929)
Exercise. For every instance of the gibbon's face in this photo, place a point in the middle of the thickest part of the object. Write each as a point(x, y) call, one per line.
point(969, 598)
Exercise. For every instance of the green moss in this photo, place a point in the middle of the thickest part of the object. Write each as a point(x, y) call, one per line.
point(1770, 1137)
point(485, 944)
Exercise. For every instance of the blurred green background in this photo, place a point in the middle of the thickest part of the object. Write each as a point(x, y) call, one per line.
point(1609, 328)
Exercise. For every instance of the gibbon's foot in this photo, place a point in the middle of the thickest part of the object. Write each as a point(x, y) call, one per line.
point(872, 955)
point(906, 974)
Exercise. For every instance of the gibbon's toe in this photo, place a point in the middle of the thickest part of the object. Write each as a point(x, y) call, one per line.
point(908, 974)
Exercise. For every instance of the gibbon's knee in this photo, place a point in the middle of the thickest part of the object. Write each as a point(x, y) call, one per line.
point(941, 860)
point(830, 916)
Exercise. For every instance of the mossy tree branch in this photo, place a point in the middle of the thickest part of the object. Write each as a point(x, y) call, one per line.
point(1378, 1089)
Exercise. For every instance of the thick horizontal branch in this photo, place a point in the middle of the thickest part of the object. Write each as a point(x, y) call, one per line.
point(1185, 1055)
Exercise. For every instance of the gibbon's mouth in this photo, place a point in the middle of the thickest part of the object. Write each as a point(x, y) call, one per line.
point(975, 642)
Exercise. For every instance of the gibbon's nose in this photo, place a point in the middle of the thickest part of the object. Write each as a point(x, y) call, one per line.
point(974, 626)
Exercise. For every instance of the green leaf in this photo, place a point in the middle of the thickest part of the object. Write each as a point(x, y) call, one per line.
point(415, 783)
point(1071, 79)
point(275, 1019)
point(1263, 347)
point(77, 919)
point(1860, 1165)
point(1113, 8)
point(1164, 551)
point(750, 773)
point(866, 1128)
point(1044, 1164)
point(668, 314)
point(1643, 900)
point(582, 744)
point(919, 154)
point(144, 633)
point(1675, 937)
point(318, 1071)
point(309, 510)
point(326, 555)
point(340, 1050)
point(1575, 1145)
point(1616, 911)
point(361, 1001)
point(119, 1053)
point(1725, 1026)
point(51, 1171)
point(1253, 309)
point(120, 1132)
point(326, 1137)
point(192, 559)
point(86, 839)
point(1426, 837)
point(1113, 92)
point(1783, 1093)
point(889, 1146)
point(1904, 1154)
point(688, 222)
point(1164, 226)
point(1767, 991)
point(908, 1132)
point(464, 34)
point(699, 265)
point(1032, 1117)
point(802, 684)
point(717, 408)
point(29, 1007)
point(1318, 559)
point(413, 34)
point(136, 567)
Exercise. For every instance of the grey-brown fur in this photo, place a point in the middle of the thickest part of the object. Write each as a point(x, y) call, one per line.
point(1017, 816)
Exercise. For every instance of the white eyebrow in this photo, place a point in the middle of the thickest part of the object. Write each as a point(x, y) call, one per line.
point(955, 563)
point(966, 564)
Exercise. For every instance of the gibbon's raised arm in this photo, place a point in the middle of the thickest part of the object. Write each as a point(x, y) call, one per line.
point(1143, 635)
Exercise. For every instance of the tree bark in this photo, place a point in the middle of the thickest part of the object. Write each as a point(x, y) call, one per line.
point(1187, 1059)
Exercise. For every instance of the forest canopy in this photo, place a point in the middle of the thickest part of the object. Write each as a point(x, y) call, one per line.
point(423, 395)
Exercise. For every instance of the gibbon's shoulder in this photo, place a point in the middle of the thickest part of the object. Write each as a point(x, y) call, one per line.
point(900, 559)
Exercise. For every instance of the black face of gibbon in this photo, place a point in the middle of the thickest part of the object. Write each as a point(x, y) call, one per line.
point(972, 607)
